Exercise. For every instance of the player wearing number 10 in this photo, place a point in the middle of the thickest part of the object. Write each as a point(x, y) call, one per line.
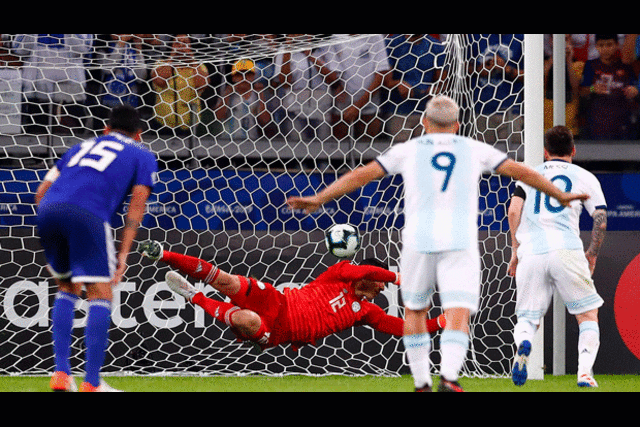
point(440, 239)
point(548, 254)
point(76, 203)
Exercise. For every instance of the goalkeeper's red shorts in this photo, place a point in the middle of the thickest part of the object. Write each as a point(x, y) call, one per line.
point(270, 304)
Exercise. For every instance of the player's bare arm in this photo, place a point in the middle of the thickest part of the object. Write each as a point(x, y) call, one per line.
point(529, 176)
point(44, 186)
point(42, 190)
point(139, 196)
point(598, 234)
point(348, 183)
point(514, 217)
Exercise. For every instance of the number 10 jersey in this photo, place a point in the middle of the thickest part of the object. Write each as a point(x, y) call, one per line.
point(548, 226)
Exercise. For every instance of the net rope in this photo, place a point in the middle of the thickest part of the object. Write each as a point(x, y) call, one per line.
point(224, 180)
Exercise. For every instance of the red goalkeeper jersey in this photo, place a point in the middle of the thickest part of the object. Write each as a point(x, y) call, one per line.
point(301, 316)
point(329, 305)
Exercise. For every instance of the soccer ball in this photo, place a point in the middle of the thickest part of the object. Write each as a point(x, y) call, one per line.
point(342, 240)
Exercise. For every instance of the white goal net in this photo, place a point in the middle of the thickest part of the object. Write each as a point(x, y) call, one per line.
point(239, 122)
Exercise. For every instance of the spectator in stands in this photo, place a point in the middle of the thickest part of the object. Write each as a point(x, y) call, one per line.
point(306, 96)
point(499, 86)
point(54, 78)
point(362, 64)
point(179, 82)
point(123, 74)
point(242, 106)
point(7, 58)
point(584, 46)
point(609, 91)
point(572, 87)
point(10, 89)
point(157, 46)
point(416, 61)
point(630, 51)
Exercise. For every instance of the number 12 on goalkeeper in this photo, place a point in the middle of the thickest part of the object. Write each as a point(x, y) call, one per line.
point(340, 298)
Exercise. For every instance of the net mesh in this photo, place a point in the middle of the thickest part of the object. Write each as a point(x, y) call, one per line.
point(239, 123)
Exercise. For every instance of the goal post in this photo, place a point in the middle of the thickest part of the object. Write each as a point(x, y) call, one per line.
point(534, 152)
point(559, 119)
point(250, 120)
point(534, 155)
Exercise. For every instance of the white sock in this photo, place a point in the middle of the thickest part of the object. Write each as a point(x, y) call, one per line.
point(418, 348)
point(588, 345)
point(524, 331)
point(454, 346)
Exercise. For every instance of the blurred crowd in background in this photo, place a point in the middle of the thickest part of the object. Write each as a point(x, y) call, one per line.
point(366, 88)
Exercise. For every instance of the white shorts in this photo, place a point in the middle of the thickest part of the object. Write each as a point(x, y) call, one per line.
point(455, 275)
point(537, 276)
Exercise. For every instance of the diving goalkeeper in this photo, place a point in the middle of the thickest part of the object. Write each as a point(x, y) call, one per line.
point(337, 300)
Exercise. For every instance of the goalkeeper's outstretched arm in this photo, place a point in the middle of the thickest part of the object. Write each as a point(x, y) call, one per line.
point(380, 321)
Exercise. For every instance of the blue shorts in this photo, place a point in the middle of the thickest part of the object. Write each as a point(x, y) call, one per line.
point(78, 245)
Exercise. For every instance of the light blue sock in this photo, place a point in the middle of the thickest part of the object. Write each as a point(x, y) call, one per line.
point(62, 327)
point(96, 339)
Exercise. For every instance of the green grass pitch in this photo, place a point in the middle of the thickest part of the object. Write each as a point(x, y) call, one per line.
point(297, 384)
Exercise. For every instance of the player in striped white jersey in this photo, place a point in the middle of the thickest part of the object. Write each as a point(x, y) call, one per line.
point(440, 240)
point(549, 255)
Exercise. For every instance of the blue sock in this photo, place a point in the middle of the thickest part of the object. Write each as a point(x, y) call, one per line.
point(62, 320)
point(96, 339)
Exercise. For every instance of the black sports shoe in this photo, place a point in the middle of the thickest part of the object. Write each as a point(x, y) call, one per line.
point(449, 387)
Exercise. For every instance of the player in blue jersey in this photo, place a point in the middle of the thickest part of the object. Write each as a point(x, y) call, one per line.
point(76, 202)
